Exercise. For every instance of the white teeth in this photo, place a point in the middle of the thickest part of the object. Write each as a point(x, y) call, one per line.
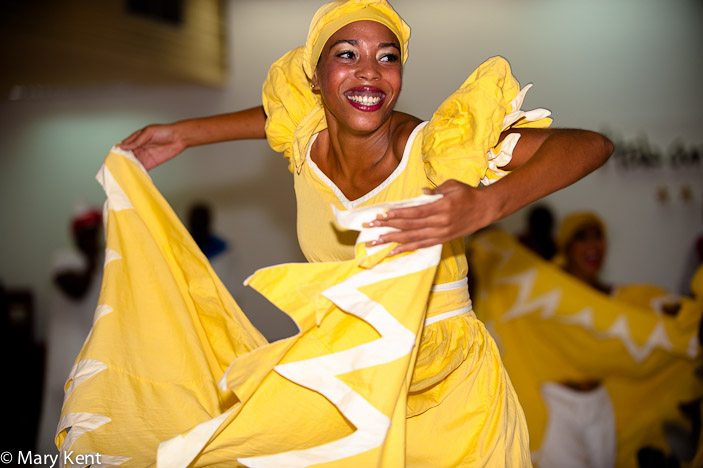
point(365, 100)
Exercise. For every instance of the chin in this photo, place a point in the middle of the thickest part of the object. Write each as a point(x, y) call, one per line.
point(369, 122)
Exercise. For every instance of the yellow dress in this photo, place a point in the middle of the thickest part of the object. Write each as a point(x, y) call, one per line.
point(390, 367)
point(461, 409)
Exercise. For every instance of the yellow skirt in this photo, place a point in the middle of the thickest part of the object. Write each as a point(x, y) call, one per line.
point(174, 375)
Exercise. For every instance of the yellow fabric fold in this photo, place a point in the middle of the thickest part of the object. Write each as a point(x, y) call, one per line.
point(468, 125)
point(174, 375)
point(165, 329)
point(551, 327)
point(294, 113)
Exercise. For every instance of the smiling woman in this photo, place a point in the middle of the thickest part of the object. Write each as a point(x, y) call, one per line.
point(329, 106)
point(582, 248)
point(365, 72)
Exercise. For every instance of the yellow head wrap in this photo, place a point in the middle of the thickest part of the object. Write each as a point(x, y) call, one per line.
point(331, 17)
point(294, 112)
point(570, 226)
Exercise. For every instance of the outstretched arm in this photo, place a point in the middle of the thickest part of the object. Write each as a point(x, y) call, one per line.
point(156, 144)
point(544, 161)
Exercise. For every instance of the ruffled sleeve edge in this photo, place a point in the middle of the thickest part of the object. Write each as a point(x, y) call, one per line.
point(502, 154)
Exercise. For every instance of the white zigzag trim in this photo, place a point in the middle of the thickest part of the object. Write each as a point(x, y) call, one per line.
point(396, 341)
point(101, 311)
point(179, 451)
point(583, 318)
point(79, 423)
point(501, 158)
point(355, 219)
point(82, 371)
point(129, 155)
point(111, 255)
point(547, 302)
point(657, 339)
point(504, 254)
point(116, 198)
point(319, 374)
point(517, 114)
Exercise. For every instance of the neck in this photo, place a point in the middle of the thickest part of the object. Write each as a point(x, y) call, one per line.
point(355, 153)
point(587, 278)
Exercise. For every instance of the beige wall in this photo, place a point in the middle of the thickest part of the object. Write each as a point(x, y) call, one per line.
point(630, 66)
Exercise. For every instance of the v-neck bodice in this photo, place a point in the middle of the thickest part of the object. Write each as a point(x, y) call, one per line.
point(350, 204)
point(319, 237)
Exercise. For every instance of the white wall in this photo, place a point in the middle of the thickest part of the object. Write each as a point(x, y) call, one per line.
point(631, 66)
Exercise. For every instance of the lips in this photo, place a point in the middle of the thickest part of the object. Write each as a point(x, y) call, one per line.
point(365, 98)
point(593, 259)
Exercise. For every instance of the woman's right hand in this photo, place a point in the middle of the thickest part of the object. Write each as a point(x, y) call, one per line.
point(154, 144)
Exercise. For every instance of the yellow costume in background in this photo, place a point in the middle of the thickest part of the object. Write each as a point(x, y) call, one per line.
point(551, 327)
point(390, 368)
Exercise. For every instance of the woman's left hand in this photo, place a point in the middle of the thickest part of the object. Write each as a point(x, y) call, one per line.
point(461, 211)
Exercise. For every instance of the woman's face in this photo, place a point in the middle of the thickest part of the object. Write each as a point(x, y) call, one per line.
point(585, 253)
point(359, 75)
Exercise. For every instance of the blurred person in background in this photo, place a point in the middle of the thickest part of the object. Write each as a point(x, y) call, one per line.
point(539, 236)
point(216, 249)
point(581, 427)
point(608, 374)
point(582, 248)
point(76, 279)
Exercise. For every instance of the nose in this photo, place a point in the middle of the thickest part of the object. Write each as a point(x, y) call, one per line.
point(368, 69)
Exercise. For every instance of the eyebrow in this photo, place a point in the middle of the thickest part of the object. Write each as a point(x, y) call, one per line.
point(389, 44)
point(354, 42)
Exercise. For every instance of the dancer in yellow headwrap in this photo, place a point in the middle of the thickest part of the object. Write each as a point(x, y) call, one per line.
point(599, 370)
point(445, 401)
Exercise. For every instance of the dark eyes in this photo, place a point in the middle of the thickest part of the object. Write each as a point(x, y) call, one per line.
point(351, 55)
point(589, 233)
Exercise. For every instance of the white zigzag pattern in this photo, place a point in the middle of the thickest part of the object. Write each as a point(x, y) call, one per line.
point(179, 451)
point(657, 339)
point(549, 301)
point(504, 254)
point(80, 423)
point(319, 374)
point(111, 255)
point(395, 342)
point(82, 371)
point(116, 198)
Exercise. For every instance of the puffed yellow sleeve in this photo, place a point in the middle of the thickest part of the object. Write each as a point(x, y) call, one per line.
point(461, 140)
point(293, 112)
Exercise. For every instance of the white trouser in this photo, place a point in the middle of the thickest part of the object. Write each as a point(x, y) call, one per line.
point(580, 429)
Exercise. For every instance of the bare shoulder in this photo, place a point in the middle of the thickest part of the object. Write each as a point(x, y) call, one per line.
point(403, 126)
